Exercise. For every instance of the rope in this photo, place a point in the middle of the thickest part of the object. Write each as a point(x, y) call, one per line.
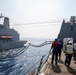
point(43, 44)
point(16, 54)
point(23, 50)
point(20, 51)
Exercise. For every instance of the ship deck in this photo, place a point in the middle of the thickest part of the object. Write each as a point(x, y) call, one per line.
point(60, 69)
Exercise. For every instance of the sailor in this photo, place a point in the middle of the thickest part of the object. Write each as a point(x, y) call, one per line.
point(55, 51)
point(60, 46)
point(74, 52)
point(68, 53)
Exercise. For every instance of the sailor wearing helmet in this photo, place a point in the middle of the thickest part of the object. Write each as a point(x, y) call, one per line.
point(68, 53)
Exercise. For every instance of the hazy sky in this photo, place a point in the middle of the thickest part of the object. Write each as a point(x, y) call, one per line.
point(32, 11)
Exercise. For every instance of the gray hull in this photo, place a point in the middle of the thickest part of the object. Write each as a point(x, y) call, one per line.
point(9, 38)
point(11, 45)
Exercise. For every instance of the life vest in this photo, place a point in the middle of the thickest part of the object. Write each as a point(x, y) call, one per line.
point(55, 44)
point(69, 49)
point(75, 46)
point(60, 45)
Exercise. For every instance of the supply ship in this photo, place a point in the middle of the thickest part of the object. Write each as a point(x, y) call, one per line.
point(9, 38)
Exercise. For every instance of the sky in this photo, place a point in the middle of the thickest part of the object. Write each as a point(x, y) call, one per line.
point(36, 11)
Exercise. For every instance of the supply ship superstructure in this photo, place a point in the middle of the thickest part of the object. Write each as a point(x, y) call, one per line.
point(9, 38)
point(68, 29)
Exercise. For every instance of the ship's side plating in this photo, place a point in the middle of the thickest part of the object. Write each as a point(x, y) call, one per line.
point(9, 38)
point(5, 30)
point(68, 29)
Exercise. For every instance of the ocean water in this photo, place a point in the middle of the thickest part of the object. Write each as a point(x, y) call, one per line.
point(21, 64)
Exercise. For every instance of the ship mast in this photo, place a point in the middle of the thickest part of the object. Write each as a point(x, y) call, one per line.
point(5, 21)
point(72, 20)
point(1, 17)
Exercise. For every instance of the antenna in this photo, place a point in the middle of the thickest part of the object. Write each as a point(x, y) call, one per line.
point(1, 16)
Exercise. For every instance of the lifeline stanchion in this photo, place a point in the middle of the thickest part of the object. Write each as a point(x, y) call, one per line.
point(39, 67)
point(49, 54)
point(40, 64)
point(32, 67)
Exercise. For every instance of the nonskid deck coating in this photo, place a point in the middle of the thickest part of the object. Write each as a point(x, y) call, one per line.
point(60, 69)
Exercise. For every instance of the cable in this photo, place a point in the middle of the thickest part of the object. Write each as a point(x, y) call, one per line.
point(35, 23)
point(41, 25)
point(20, 51)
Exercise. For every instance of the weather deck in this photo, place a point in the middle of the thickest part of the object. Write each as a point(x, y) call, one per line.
point(60, 69)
